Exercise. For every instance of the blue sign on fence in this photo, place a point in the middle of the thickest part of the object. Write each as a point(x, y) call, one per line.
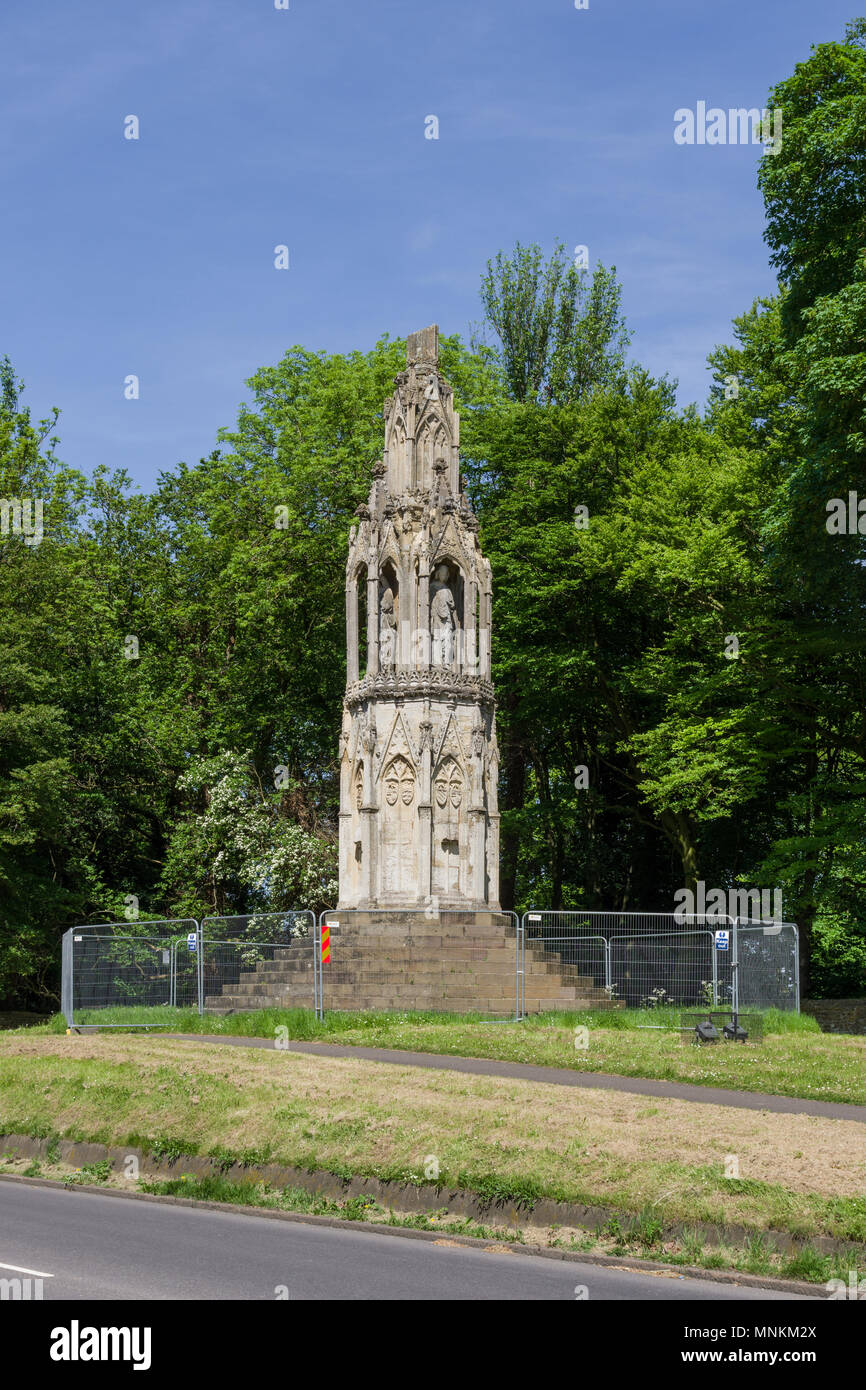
point(191, 941)
point(722, 940)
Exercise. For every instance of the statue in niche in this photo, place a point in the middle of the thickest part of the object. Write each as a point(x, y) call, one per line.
point(387, 631)
point(368, 734)
point(443, 619)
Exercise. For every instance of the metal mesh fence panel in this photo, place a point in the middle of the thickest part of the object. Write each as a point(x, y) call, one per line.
point(658, 958)
point(260, 961)
point(609, 924)
point(768, 963)
point(130, 965)
point(635, 959)
point(652, 970)
point(447, 961)
point(450, 961)
point(581, 960)
point(66, 1005)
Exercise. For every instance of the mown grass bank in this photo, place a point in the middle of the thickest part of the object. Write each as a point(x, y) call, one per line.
point(795, 1058)
point(513, 1141)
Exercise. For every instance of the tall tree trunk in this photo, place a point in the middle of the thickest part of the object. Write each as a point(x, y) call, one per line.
point(806, 913)
point(513, 792)
point(552, 827)
point(557, 868)
point(680, 832)
point(805, 920)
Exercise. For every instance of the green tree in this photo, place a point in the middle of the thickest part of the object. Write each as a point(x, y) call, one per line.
point(561, 334)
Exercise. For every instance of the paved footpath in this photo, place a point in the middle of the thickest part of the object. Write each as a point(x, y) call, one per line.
point(555, 1076)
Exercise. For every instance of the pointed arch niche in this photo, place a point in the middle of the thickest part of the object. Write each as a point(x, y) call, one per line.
point(449, 820)
point(431, 443)
point(397, 457)
point(389, 615)
point(356, 624)
point(446, 574)
point(399, 828)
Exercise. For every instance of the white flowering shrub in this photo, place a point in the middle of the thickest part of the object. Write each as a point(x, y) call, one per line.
point(239, 850)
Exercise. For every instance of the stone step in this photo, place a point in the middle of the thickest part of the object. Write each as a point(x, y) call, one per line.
point(420, 950)
point(346, 986)
point(285, 967)
point(410, 947)
point(394, 971)
point(409, 963)
point(503, 1004)
point(422, 930)
point(373, 967)
point(449, 917)
point(301, 958)
point(389, 964)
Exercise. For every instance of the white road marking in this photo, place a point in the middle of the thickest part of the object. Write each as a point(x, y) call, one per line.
point(19, 1269)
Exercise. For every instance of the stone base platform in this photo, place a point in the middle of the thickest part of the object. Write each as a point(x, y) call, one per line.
point(456, 963)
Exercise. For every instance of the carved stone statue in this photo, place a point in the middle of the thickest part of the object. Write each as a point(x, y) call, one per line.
point(387, 631)
point(443, 619)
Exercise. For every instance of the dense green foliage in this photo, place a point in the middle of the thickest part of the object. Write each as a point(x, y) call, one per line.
point(672, 612)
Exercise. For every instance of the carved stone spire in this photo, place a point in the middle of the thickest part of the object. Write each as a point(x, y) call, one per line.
point(418, 668)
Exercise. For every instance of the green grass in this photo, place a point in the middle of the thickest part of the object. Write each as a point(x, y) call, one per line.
point(795, 1058)
point(252, 1107)
point(260, 1023)
point(98, 1172)
point(303, 1024)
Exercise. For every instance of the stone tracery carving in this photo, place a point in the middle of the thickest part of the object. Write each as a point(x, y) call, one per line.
point(399, 782)
point(448, 785)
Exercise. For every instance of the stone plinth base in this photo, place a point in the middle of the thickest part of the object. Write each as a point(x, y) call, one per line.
point(457, 963)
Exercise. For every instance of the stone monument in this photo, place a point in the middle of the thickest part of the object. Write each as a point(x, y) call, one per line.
point(419, 825)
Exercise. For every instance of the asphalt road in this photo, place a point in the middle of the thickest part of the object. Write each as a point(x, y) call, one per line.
point(96, 1246)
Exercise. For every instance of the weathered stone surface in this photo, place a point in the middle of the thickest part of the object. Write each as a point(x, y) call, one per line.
point(837, 1015)
point(419, 822)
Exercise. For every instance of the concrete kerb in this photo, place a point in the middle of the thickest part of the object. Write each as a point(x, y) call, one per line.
point(402, 1196)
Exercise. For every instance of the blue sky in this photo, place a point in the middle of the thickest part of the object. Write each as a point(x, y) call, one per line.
point(305, 127)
